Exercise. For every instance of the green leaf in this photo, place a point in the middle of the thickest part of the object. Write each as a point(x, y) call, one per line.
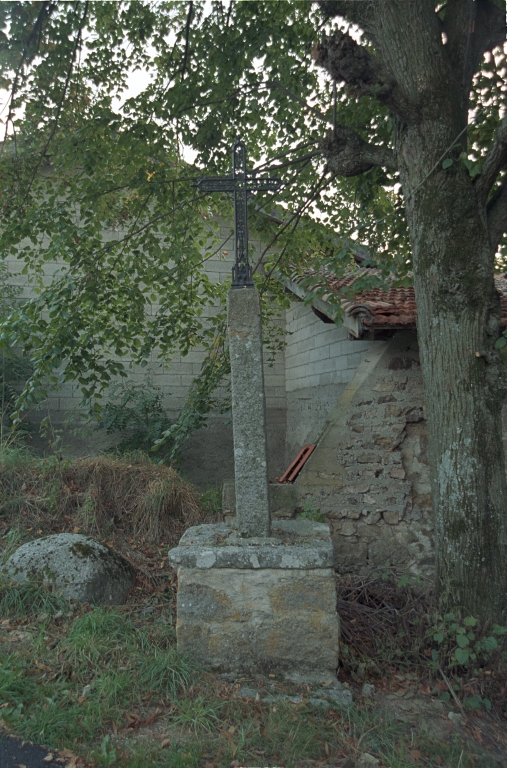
point(438, 637)
point(462, 641)
point(473, 702)
point(462, 656)
point(447, 163)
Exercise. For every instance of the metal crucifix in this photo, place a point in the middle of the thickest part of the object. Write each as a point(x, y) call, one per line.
point(240, 183)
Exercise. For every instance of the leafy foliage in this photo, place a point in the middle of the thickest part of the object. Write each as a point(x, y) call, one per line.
point(99, 198)
point(15, 367)
point(136, 411)
point(459, 642)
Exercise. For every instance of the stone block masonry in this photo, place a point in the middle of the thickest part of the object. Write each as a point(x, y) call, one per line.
point(369, 473)
point(259, 606)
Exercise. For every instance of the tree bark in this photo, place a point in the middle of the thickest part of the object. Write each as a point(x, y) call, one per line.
point(458, 307)
point(458, 315)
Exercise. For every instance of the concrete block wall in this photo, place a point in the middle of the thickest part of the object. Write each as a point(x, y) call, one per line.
point(320, 360)
point(208, 458)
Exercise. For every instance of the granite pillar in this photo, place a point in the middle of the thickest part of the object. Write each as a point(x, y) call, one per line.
point(249, 412)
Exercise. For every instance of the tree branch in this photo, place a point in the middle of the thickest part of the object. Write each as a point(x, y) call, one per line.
point(472, 28)
point(497, 215)
point(350, 63)
point(347, 154)
point(187, 37)
point(46, 9)
point(358, 12)
point(77, 44)
point(495, 161)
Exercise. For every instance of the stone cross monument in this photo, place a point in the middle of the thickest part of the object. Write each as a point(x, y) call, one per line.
point(253, 598)
point(245, 344)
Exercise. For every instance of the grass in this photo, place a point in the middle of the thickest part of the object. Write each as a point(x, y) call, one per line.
point(113, 689)
point(108, 683)
point(101, 494)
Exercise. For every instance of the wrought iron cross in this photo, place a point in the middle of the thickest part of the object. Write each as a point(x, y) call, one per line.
point(240, 183)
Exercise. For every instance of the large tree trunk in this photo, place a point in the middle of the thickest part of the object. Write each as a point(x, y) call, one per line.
point(458, 322)
point(422, 70)
point(458, 313)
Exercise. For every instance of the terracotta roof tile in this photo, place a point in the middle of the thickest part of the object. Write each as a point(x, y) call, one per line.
point(379, 308)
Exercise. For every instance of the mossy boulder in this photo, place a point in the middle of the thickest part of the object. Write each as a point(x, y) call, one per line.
point(77, 566)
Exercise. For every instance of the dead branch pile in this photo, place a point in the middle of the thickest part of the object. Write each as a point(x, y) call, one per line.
point(377, 614)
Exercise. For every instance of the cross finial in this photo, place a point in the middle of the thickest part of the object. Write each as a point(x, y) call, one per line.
point(240, 183)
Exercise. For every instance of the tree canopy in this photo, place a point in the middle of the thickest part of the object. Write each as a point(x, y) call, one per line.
point(100, 183)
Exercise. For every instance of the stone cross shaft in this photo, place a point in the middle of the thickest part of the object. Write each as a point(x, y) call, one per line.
point(245, 345)
point(248, 413)
point(241, 184)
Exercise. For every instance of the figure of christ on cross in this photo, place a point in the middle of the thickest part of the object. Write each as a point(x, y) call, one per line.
point(241, 184)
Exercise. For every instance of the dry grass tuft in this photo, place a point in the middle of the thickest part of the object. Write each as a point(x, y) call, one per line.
point(101, 494)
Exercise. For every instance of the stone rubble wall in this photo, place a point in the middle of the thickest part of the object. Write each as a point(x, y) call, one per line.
point(369, 474)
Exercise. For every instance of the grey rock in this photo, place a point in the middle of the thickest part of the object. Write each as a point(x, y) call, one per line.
point(336, 696)
point(455, 718)
point(77, 566)
point(367, 761)
point(368, 690)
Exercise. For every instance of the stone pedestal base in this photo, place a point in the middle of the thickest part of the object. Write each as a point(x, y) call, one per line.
point(258, 606)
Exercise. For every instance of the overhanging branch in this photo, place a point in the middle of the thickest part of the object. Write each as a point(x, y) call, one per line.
point(350, 63)
point(495, 161)
point(347, 154)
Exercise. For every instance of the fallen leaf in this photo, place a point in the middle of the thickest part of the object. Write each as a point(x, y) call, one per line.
point(165, 743)
point(75, 529)
point(48, 758)
point(414, 756)
point(326, 748)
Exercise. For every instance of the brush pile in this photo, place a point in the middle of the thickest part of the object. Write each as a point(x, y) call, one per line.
point(138, 508)
point(389, 626)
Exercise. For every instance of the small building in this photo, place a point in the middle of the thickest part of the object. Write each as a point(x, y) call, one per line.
point(357, 393)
